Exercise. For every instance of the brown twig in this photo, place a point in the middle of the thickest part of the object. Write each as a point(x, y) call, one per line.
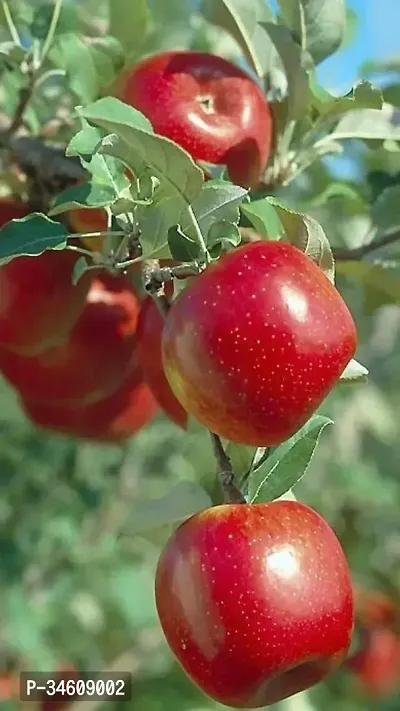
point(155, 277)
point(25, 96)
point(152, 284)
point(226, 476)
point(345, 254)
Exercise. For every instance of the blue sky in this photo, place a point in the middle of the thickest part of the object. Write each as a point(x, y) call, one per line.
point(377, 38)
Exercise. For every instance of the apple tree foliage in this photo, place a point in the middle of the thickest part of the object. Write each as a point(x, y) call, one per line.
point(82, 524)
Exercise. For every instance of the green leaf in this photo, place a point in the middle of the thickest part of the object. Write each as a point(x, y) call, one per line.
point(105, 70)
point(182, 501)
point(263, 217)
point(12, 52)
point(241, 457)
point(363, 95)
point(367, 96)
point(89, 194)
point(354, 372)
point(85, 141)
point(155, 222)
point(128, 22)
point(304, 232)
point(222, 237)
point(145, 188)
point(391, 94)
point(385, 211)
point(71, 53)
point(292, 59)
point(81, 266)
point(68, 20)
point(133, 143)
point(369, 124)
point(111, 47)
point(301, 230)
point(181, 247)
point(12, 82)
point(241, 20)
point(286, 464)
point(217, 200)
point(114, 116)
point(319, 25)
point(105, 169)
point(31, 235)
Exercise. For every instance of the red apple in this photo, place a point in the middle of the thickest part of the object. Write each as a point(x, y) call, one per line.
point(117, 417)
point(38, 302)
point(375, 608)
point(377, 664)
point(255, 343)
point(255, 601)
point(207, 105)
point(149, 334)
point(9, 686)
point(97, 356)
point(84, 220)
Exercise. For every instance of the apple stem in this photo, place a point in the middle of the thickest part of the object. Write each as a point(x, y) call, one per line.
point(226, 476)
point(154, 286)
point(162, 304)
point(148, 268)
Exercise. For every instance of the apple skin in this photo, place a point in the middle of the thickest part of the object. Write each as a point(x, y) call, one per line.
point(376, 663)
point(149, 333)
point(255, 343)
point(38, 302)
point(374, 608)
point(171, 89)
point(116, 418)
point(97, 356)
point(9, 687)
point(255, 601)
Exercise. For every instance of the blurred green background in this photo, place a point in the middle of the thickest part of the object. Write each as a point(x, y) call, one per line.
point(77, 556)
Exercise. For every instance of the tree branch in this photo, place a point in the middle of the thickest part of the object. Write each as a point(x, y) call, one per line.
point(344, 254)
point(43, 162)
point(226, 476)
point(25, 96)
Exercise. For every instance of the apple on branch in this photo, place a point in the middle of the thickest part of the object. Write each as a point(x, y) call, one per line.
point(39, 304)
point(255, 601)
point(255, 343)
point(207, 105)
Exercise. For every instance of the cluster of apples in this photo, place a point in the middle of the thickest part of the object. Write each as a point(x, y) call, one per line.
point(255, 601)
point(85, 359)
